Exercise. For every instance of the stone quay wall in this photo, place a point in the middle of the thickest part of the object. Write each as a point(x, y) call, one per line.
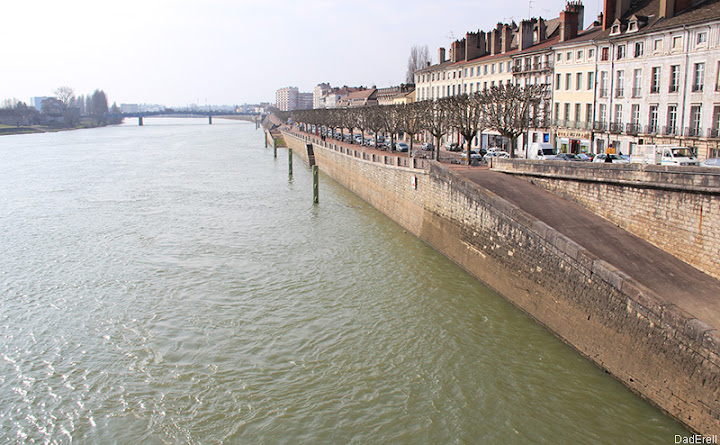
point(653, 347)
point(677, 209)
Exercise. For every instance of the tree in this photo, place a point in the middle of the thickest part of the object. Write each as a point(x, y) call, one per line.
point(508, 109)
point(66, 96)
point(437, 120)
point(419, 59)
point(391, 122)
point(411, 120)
point(466, 117)
point(98, 107)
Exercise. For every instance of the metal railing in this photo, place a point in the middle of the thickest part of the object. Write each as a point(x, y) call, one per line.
point(636, 92)
point(651, 129)
point(616, 127)
point(669, 131)
point(632, 128)
point(619, 92)
point(713, 133)
point(692, 132)
point(600, 126)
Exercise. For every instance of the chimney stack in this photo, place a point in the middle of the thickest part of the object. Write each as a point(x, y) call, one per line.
point(525, 38)
point(495, 39)
point(571, 20)
point(475, 45)
point(506, 39)
point(441, 55)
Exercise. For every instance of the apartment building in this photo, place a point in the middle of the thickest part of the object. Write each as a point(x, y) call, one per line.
point(659, 77)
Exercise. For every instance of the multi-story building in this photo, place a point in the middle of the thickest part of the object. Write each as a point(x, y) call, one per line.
point(286, 99)
point(305, 101)
point(319, 93)
point(659, 76)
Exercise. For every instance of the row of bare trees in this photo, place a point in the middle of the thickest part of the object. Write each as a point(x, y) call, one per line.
point(507, 109)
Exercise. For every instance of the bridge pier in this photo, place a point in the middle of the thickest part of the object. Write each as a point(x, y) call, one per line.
point(210, 119)
point(140, 121)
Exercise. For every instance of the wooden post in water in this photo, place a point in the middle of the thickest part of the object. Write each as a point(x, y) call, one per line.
point(140, 121)
point(210, 119)
point(274, 147)
point(290, 161)
point(316, 185)
point(266, 135)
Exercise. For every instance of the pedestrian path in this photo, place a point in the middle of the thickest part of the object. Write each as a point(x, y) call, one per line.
point(671, 279)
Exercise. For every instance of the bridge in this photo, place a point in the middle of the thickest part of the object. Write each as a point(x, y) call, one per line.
point(252, 117)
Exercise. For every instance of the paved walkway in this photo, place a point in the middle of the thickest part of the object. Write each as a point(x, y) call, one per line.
point(671, 279)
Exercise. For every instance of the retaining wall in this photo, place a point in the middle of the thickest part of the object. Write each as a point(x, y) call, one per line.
point(653, 347)
point(675, 208)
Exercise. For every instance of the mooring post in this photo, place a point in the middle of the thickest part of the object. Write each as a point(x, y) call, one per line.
point(266, 135)
point(316, 187)
point(210, 119)
point(290, 161)
point(274, 148)
point(140, 121)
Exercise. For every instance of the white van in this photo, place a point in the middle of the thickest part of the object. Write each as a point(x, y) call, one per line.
point(663, 155)
point(541, 151)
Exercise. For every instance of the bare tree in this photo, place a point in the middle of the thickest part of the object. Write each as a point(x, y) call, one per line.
point(391, 122)
point(419, 59)
point(508, 109)
point(66, 96)
point(411, 120)
point(437, 121)
point(466, 109)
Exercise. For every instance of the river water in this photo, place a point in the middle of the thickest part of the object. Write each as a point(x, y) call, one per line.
point(172, 283)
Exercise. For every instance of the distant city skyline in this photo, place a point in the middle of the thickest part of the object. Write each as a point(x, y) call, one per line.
point(224, 52)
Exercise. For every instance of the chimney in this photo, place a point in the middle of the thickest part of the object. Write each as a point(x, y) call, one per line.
point(506, 39)
point(457, 51)
point(609, 13)
point(495, 39)
point(475, 45)
point(571, 20)
point(681, 5)
point(525, 38)
point(542, 30)
point(441, 55)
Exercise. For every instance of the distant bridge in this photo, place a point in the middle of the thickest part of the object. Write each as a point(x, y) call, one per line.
point(252, 117)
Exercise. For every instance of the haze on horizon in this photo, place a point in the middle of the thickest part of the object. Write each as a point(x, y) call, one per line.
point(184, 52)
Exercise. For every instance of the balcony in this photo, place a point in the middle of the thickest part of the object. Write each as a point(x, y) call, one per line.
point(600, 126)
point(616, 127)
point(632, 129)
point(636, 92)
point(535, 67)
point(669, 131)
point(652, 129)
point(619, 92)
point(692, 132)
point(713, 133)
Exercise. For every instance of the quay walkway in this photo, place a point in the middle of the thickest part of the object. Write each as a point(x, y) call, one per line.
point(671, 279)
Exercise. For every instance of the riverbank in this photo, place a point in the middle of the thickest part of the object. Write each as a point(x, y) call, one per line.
point(657, 349)
point(6, 130)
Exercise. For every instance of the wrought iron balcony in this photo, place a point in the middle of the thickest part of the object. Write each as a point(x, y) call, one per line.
point(713, 133)
point(651, 129)
point(616, 127)
point(600, 126)
point(669, 131)
point(632, 128)
point(697, 88)
point(636, 92)
point(692, 132)
point(619, 92)
point(603, 92)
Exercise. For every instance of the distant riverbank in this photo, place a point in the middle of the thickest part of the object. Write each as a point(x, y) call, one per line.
point(10, 129)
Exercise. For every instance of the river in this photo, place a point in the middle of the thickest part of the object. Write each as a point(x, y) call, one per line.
point(171, 283)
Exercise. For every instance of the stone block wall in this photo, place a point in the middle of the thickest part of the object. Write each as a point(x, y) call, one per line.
point(674, 208)
point(651, 346)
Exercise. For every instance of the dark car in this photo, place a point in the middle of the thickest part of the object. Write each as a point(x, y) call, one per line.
point(428, 146)
point(452, 146)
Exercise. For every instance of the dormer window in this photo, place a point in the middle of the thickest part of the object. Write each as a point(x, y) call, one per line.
point(615, 30)
point(632, 26)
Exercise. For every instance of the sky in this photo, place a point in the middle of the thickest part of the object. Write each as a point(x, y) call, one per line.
point(230, 52)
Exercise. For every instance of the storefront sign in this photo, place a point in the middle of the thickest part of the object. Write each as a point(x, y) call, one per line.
point(573, 134)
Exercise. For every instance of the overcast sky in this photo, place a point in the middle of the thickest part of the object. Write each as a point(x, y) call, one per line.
point(181, 52)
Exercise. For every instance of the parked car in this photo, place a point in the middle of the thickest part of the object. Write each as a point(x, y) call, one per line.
point(452, 146)
point(615, 159)
point(428, 146)
point(370, 142)
point(712, 162)
point(585, 157)
point(568, 157)
point(474, 154)
point(497, 154)
point(401, 146)
point(542, 151)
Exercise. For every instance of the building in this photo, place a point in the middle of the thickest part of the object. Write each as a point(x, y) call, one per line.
point(659, 76)
point(286, 99)
point(319, 93)
point(37, 102)
point(360, 98)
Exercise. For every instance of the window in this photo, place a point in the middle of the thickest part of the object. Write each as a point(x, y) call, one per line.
point(568, 80)
point(604, 54)
point(557, 111)
point(657, 45)
point(509, 65)
point(637, 82)
point(653, 119)
point(492, 68)
point(635, 114)
point(588, 112)
point(655, 80)
point(579, 55)
point(567, 112)
point(620, 83)
point(620, 52)
point(578, 112)
point(559, 57)
point(602, 111)
point(674, 78)
point(701, 38)
point(578, 81)
point(558, 78)
point(717, 78)
point(639, 47)
point(485, 69)
point(591, 80)
point(677, 43)
point(472, 70)
point(671, 120)
point(568, 56)
point(485, 85)
point(632, 26)
point(715, 122)
point(695, 116)
point(603, 83)
point(501, 66)
point(615, 30)
point(618, 114)
point(698, 77)
point(591, 53)
point(466, 71)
